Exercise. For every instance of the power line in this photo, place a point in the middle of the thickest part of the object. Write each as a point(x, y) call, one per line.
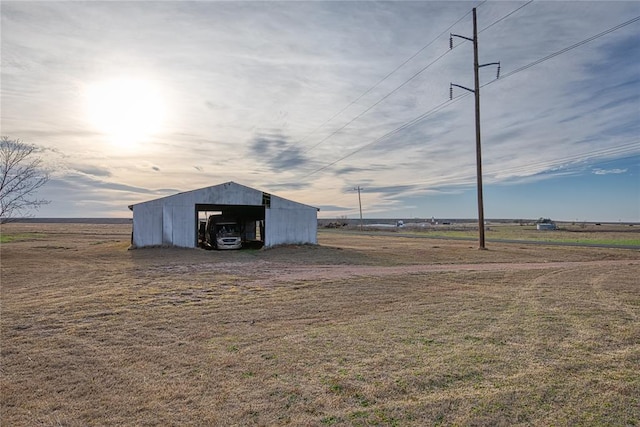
point(390, 133)
point(567, 49)
point(476, 92)
point(405, 82)
point(377, 102)
point(360, 204)
point(405, 62)
point(609, 151)
point(449, 102)
point(531, 167)
point(505, 17)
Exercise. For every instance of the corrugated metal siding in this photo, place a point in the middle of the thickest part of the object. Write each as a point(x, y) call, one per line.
point(288, 222)
point(147, 224)
point(167, 225)
point(184, 226)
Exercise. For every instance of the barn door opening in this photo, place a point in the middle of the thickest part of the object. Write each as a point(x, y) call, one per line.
point(249, 219)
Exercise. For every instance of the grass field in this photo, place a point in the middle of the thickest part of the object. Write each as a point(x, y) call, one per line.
point(606, 234)
point(360, 330)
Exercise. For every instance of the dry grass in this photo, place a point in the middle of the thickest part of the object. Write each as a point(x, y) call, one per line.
point(607, 234)
point(358, 331)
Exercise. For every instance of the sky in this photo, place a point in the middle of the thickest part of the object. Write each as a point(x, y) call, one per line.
point(132, 101)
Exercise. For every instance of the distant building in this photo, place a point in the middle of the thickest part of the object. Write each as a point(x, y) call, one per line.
point(546, 226)
point(174, 220)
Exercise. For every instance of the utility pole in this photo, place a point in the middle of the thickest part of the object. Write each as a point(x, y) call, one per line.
point(360, 203)
point(476, 92)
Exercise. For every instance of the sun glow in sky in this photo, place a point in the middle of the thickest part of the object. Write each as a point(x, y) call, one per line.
point(127, 110)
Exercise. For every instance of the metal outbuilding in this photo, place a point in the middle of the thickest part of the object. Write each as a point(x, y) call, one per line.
point(174, 220)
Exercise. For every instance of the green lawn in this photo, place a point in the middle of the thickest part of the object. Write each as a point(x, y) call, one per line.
point(8, 238)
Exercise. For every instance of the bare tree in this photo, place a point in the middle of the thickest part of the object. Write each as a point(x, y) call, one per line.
point(21, 174)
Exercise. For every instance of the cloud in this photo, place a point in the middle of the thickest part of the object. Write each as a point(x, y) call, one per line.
point(97, 171)
point(609, 171)
point(390, 190)
point(270, 94)
point(276, 152)
point(87, 182)
point(295, 186)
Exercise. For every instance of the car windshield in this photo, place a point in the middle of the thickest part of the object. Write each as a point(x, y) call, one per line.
point(228, 230)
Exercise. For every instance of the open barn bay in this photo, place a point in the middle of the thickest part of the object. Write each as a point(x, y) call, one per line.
point(360, 330)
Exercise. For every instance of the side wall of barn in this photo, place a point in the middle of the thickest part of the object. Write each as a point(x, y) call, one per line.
point(288, 222)
point(147, 224)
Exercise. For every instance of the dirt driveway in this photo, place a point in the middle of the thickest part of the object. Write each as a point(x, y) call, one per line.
point(268, 272)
